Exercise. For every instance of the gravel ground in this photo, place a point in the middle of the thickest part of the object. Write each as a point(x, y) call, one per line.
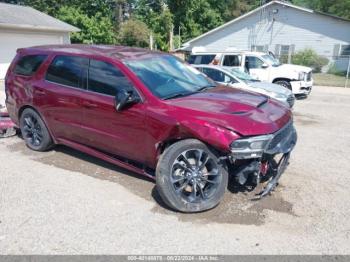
point(65, 202)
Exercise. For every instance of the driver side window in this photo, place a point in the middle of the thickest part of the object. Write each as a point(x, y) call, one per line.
point(252, 62)
point(105, 78)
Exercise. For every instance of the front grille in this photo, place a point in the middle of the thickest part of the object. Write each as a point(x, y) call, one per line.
point(291, 100)
point(309, 76)
point(280, 135)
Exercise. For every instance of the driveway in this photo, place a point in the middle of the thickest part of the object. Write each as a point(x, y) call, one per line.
point(65, 202)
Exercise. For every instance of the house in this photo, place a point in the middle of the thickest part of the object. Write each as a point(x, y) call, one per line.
point(22, 26)
point(282, 28)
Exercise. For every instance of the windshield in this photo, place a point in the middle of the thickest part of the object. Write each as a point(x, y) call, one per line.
point(167, 77)
point(241, 75)
point(271, 60)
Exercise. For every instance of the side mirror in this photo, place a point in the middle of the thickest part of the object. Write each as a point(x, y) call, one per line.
point(125, 98)
point(264, 66)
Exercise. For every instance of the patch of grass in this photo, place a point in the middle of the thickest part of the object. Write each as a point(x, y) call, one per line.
point(329, 80)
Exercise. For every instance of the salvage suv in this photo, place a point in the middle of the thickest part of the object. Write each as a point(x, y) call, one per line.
point(263, 67)
point(152, 114)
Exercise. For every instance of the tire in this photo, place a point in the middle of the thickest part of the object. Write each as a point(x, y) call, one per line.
point(34, 131)
point(284, 83)
point(191, 185)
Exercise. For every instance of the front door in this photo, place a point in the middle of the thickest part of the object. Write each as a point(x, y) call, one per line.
point(121, 133)
point(256, 68)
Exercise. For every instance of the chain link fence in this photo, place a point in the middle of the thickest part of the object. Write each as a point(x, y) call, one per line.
point(327, 70)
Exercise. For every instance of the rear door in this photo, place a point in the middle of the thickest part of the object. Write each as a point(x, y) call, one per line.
point(119, 133)
point(58, 96)
point(232, 60)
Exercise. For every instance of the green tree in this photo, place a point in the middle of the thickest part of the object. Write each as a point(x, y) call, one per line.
point(336, 7)
point(101, 20)
point(134, 33)
point(158, 18)
point(97, 29)
point(194, 17)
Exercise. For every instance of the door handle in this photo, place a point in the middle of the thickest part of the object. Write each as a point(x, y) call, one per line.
point(89, 105)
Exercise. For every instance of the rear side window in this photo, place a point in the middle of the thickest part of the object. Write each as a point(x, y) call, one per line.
point(68, 70)
point(105, 78)
point(217, 75)
point(28, 65)
point(232, 60)
point(200, 59)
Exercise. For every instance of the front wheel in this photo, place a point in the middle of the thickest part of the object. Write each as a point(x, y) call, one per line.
point(190, 177)
point(284, 83)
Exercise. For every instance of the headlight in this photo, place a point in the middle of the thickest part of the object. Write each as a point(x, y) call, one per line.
point(252, 147)
point(302, 76)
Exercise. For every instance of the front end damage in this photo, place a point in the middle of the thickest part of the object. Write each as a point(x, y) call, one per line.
point(262, 159)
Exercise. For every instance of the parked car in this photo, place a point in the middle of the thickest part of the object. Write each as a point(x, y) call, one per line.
point(261, 66)
point(152, 114)
point(234, 77)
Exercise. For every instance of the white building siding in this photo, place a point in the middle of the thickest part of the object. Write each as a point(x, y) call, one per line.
point(289, 26)
point(11, 40)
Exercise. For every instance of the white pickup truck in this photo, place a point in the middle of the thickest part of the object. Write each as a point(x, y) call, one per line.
point(261, 66)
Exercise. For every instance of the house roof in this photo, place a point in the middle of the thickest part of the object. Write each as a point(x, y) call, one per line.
point(24, 17)
point(185, 45)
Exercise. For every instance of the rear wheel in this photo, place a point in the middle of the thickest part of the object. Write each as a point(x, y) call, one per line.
point(284, 83)
point(190, 177)
point(34, 131)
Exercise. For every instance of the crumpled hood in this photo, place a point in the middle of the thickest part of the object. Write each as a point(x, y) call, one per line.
point(269, 87)
point(246, 113)
point(295, 68)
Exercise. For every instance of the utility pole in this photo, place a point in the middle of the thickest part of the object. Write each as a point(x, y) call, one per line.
point(179, 36)
point(119, 12)
point(151, 41)
point(347, 74)
point(171, 38)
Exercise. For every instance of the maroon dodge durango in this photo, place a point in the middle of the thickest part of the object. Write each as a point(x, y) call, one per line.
point(152, 114)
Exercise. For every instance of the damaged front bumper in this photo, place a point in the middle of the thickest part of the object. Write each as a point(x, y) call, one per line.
point(254, 159)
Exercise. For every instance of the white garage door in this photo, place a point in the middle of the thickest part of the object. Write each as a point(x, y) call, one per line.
point(11, 41)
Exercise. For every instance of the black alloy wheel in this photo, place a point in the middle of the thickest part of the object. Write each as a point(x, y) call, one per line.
point(34, 131)
point(190, 176)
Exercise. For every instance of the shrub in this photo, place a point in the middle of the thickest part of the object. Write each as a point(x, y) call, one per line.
point(310, 58)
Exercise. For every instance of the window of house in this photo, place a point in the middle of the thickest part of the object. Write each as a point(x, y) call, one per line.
point(285, 49)
point(28, 65)
point(252, 62)
point(345, 50)
point(258, 48)
point(232, 60)
point(68, 70)
point(105, 78)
